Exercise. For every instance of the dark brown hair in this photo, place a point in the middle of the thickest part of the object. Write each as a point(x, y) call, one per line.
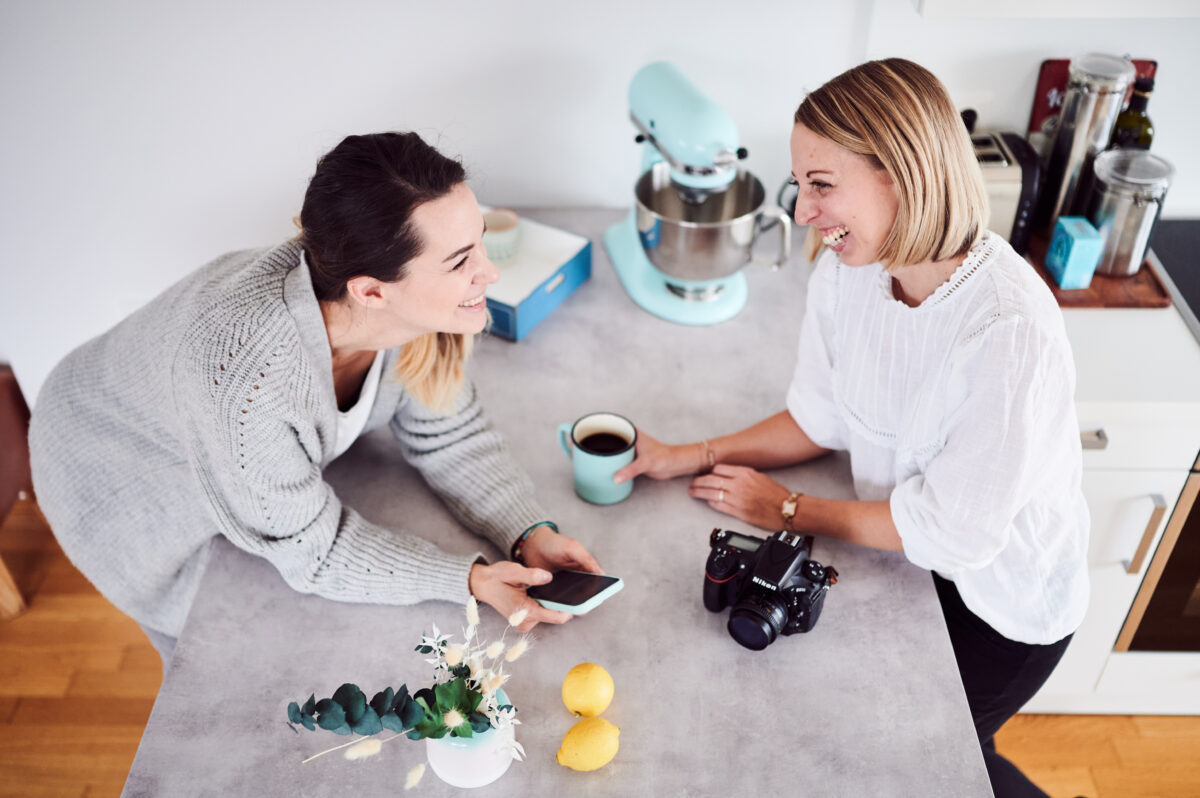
point(357, 214)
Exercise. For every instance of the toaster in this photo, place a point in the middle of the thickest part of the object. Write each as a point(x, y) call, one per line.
point(1010, 173)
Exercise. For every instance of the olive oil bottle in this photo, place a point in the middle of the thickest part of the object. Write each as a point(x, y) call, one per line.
point(1133, 128)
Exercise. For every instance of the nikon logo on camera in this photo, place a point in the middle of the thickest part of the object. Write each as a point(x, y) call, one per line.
point(763, 582)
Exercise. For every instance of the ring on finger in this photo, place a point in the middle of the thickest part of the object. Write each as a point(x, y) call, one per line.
point(721, 496)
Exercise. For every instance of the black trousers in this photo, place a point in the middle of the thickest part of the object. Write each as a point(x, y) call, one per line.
point(999, 675)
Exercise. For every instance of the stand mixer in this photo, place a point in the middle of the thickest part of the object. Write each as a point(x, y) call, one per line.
point(680, 252)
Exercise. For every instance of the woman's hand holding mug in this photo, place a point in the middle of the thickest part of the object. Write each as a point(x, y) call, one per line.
point(659, 460)
point(742, 492)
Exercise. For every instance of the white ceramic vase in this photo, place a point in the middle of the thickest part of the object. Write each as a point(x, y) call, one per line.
point(472, 761)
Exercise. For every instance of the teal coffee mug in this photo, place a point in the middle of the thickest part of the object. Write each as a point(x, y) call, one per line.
point(599, 445)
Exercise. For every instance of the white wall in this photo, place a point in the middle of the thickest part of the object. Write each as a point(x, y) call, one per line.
point(142, 139)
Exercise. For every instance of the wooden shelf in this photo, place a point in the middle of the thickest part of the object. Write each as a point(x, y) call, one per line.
point(1141, 290)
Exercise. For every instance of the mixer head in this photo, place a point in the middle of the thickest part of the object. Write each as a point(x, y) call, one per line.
point(693, 134)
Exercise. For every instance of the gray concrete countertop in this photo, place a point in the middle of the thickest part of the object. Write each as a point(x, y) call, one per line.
point(868, 703)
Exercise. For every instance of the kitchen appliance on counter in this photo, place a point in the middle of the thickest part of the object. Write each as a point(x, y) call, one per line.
point(1174, 248)
point(1010, 174)
point(1095, 91)
point(1126, 199)
point(696, 216)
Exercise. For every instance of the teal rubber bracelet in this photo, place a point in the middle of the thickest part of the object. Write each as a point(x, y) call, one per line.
point(515, 552)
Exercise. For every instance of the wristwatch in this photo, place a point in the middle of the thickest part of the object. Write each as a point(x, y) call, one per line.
point(789, 510)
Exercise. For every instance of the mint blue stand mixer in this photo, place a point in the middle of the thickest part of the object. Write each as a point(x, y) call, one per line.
point(680, 252)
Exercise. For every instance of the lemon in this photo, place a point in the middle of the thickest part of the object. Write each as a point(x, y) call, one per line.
point(590, 744)
point(588, 690)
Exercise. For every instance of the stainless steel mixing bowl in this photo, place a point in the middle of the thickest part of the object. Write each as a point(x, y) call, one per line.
point(708, 240)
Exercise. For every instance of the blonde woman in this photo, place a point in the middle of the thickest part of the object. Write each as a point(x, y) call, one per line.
point(214, 409)
point(937, 358)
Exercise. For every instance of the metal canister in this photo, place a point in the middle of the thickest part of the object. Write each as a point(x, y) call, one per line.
point(1126, 199)
point(1095, 90)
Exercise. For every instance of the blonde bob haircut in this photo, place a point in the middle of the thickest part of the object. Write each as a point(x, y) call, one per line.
point(898, 115)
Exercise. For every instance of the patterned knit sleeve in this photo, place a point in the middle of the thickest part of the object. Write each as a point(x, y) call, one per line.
point(247, 414)
point(469, 465)
point(810, 396)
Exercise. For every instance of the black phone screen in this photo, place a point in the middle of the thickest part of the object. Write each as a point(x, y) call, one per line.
point(572, 587)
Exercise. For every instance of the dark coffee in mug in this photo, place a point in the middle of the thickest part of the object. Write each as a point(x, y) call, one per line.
point(603, 443)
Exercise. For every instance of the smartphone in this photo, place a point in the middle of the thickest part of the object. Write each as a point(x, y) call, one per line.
point(575, 592)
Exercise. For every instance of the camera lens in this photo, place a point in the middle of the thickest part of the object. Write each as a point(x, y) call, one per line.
point(756, 620)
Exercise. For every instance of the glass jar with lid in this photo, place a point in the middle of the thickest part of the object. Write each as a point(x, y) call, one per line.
point(1127, 193)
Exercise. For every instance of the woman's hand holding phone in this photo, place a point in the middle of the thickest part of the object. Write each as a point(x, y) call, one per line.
point(503, 587)
point(547, 549)
point(578, 585)
point(575, 592)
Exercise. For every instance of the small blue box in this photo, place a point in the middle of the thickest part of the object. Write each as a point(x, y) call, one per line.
point(548, 265)
point(1075, 249)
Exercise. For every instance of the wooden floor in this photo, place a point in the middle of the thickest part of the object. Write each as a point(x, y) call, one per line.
point(78, 679)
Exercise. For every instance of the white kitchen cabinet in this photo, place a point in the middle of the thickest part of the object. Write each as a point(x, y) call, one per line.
point(1138, 399)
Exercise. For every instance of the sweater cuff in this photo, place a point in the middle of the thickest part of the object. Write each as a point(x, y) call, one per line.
point(508, 524)
point(448, 580)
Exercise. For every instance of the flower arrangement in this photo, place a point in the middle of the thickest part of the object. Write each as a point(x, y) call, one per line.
point(465, 698)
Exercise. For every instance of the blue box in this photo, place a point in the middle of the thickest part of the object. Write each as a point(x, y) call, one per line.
point(548, 265)
point(1075, 250)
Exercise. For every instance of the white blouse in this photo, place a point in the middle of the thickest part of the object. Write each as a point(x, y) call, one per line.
point(960, 412)
point(352, 421)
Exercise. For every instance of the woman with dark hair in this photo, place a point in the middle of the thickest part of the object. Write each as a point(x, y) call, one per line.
point(215, 408)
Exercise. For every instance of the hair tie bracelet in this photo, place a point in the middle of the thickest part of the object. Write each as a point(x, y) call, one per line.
point(519, 542)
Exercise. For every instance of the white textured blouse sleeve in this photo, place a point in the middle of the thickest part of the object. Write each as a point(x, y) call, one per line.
point(957, 513)
point(810, 397)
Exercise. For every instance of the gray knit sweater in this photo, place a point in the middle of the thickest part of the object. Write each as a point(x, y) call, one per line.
point(212, 411)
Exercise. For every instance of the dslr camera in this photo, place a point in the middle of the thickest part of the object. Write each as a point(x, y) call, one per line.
point(772, 585)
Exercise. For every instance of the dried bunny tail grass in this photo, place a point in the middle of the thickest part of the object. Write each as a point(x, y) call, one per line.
point(494, 682)
point(414, 777)
point(495, 649)
point(517, 649)
point(454, 655)
point(453, 719)
point(377, 742)
point(363, 749)
point(518, 617)
point(472, 611)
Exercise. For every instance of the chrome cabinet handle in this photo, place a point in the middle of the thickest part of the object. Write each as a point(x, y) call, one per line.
point(1094, 438)
point(1156, 515)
